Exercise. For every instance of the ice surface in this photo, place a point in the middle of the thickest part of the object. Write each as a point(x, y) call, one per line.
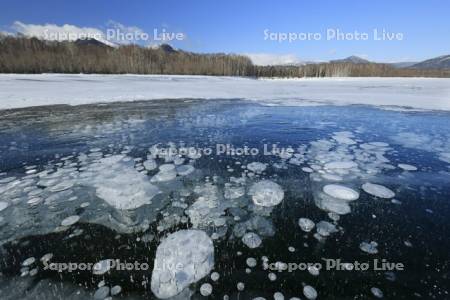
point(184, 257)
point(378, 190)
point(18, 90)
point(266, 193)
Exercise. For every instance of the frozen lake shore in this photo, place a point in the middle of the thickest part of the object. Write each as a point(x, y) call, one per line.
point(18, 90)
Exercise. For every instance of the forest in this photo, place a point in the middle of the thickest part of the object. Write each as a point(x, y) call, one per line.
point(31, 55)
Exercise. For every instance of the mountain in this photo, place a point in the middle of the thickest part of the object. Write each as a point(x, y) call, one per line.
point(164, 47)
point(439, 63)
point(351, 59)
point(93, 42)
point(403, 64)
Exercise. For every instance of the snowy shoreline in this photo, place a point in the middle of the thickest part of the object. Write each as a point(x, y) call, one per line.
point(26, 90)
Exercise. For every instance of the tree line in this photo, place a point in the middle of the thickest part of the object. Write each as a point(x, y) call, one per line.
point(31, 55)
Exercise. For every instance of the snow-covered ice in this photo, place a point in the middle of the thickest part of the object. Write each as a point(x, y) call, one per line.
point(20, 90)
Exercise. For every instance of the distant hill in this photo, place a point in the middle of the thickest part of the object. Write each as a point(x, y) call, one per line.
point(438, 63)
point(403, 64)
point(351, 59)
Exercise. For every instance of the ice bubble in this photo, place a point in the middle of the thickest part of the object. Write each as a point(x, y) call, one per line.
point(309, 292)
point(378, 190)
point(370, 248)
point(115, 290)
point(69, 221)
point(101, 293)
point(240, 286)
point(332, 177)
point(331, 204)
point(266, 193)
point(166, 167)
point(313, 270)
point(34, 201)
point(344, 140)
point(325, 228)
point(341, 165)
point(102, 267)
point(278, 296)
point(272, 276)
point(120, 185)
point(192, 251)
point(185, 170)
point(407, 243)
point(150, 164)
point(234, 192)
point(28, 262)
point(251, 240)
point(65, 185)
point(34, 272)
point(334, 216)
point(47, 257)
point(307, 170)
point(377, 292)
point(3, 205)
point(257, 167)
point(407, 167)
point(215, 276)
point(341, 192)
point(164, 175)
point(379, 144)
point(206, 289)
point(251, 262)
point(306, 224)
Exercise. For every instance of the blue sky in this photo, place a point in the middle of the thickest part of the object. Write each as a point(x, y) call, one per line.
point(238, 26)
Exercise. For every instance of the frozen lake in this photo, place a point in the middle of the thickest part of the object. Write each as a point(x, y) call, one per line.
point(128, 181)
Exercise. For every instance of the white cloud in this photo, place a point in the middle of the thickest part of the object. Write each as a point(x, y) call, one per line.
point(54, 32)
point(265, 59)
point(116, 33)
